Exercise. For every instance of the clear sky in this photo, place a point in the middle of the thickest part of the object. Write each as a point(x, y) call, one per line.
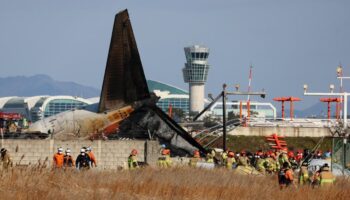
point(288, 42)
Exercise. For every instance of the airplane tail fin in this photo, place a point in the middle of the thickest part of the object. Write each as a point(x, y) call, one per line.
point(124, 80)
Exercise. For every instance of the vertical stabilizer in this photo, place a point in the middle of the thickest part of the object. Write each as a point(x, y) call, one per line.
point(124, 80)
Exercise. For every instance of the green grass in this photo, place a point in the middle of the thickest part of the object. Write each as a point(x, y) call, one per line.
point(254, 143)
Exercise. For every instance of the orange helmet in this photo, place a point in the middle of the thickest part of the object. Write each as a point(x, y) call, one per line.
point(231, 154)
point(134, 152)
point(165, 151)
point(290, 154)
point(273, 155)
point(196, 153)
point(284, 149)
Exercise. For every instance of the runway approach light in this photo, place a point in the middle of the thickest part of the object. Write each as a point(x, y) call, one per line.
point(305, 88)
point(331, 87)
point(339, 70)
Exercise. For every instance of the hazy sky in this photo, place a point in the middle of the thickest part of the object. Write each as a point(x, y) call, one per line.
point(288, 42)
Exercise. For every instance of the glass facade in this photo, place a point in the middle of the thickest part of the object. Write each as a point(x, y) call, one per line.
point(181, 103)
point(197, 67)
point(36, 112)
point(53, 107)
point(169, 95)
point(60, 105)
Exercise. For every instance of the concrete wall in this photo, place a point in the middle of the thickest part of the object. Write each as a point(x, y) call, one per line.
point(109, 154)
point(284, 131)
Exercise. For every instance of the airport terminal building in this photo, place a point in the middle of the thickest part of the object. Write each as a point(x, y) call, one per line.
point(39, 107)
point(169, 95)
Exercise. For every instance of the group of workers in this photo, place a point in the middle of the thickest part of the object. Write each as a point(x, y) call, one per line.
point(282, 162)
point(285, 164)
point(85, 160)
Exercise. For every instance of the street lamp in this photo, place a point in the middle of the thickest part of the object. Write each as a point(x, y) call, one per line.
point(331, 87)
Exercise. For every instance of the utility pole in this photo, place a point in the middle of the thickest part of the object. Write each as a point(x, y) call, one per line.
point(223, 94)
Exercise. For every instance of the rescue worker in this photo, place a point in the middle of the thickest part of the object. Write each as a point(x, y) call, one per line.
point(132, 160)
point(307, 155)
point(304, 174)
point(164, 161)
point(92, 157)
point(318, 154)
point(210, 156)
point(230, 161)
point(224, 158)
point(283, 157)
point(5, 159)
point(196, 158)
point(260, 164)
point(83, 161)
point(68, 160)
point(58, 158)
point(243, 159)
point(326, 176)
point(285, 176)
point(270, 164)
point(299, 156)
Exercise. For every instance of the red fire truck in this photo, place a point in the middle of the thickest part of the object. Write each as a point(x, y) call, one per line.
point(9, 122)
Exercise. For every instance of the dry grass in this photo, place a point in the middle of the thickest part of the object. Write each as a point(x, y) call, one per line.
point(177, 183)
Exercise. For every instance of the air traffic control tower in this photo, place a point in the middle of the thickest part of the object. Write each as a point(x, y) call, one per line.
point(195, 73)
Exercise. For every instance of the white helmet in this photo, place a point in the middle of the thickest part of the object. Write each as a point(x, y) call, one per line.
point(68, 151)
point(60, 150)
point(82, 150)
point(88, 149)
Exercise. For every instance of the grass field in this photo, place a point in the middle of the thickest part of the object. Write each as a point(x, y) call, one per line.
point(149, 183)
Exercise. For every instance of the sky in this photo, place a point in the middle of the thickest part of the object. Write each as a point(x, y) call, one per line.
point(289, 43)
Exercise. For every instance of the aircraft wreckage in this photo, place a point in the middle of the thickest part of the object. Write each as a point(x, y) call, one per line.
point(126, 106)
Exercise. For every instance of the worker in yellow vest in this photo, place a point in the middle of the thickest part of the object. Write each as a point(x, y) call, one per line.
point(210, 156)
point(164, 161)
point(196, 158)
point(230, 160)
point(326, 176)
point(304, 174)
point(132, 160)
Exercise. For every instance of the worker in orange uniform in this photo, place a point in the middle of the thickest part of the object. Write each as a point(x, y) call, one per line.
point(58, 158)
point(92, 157)
point(285, 176)
point(196, 158)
